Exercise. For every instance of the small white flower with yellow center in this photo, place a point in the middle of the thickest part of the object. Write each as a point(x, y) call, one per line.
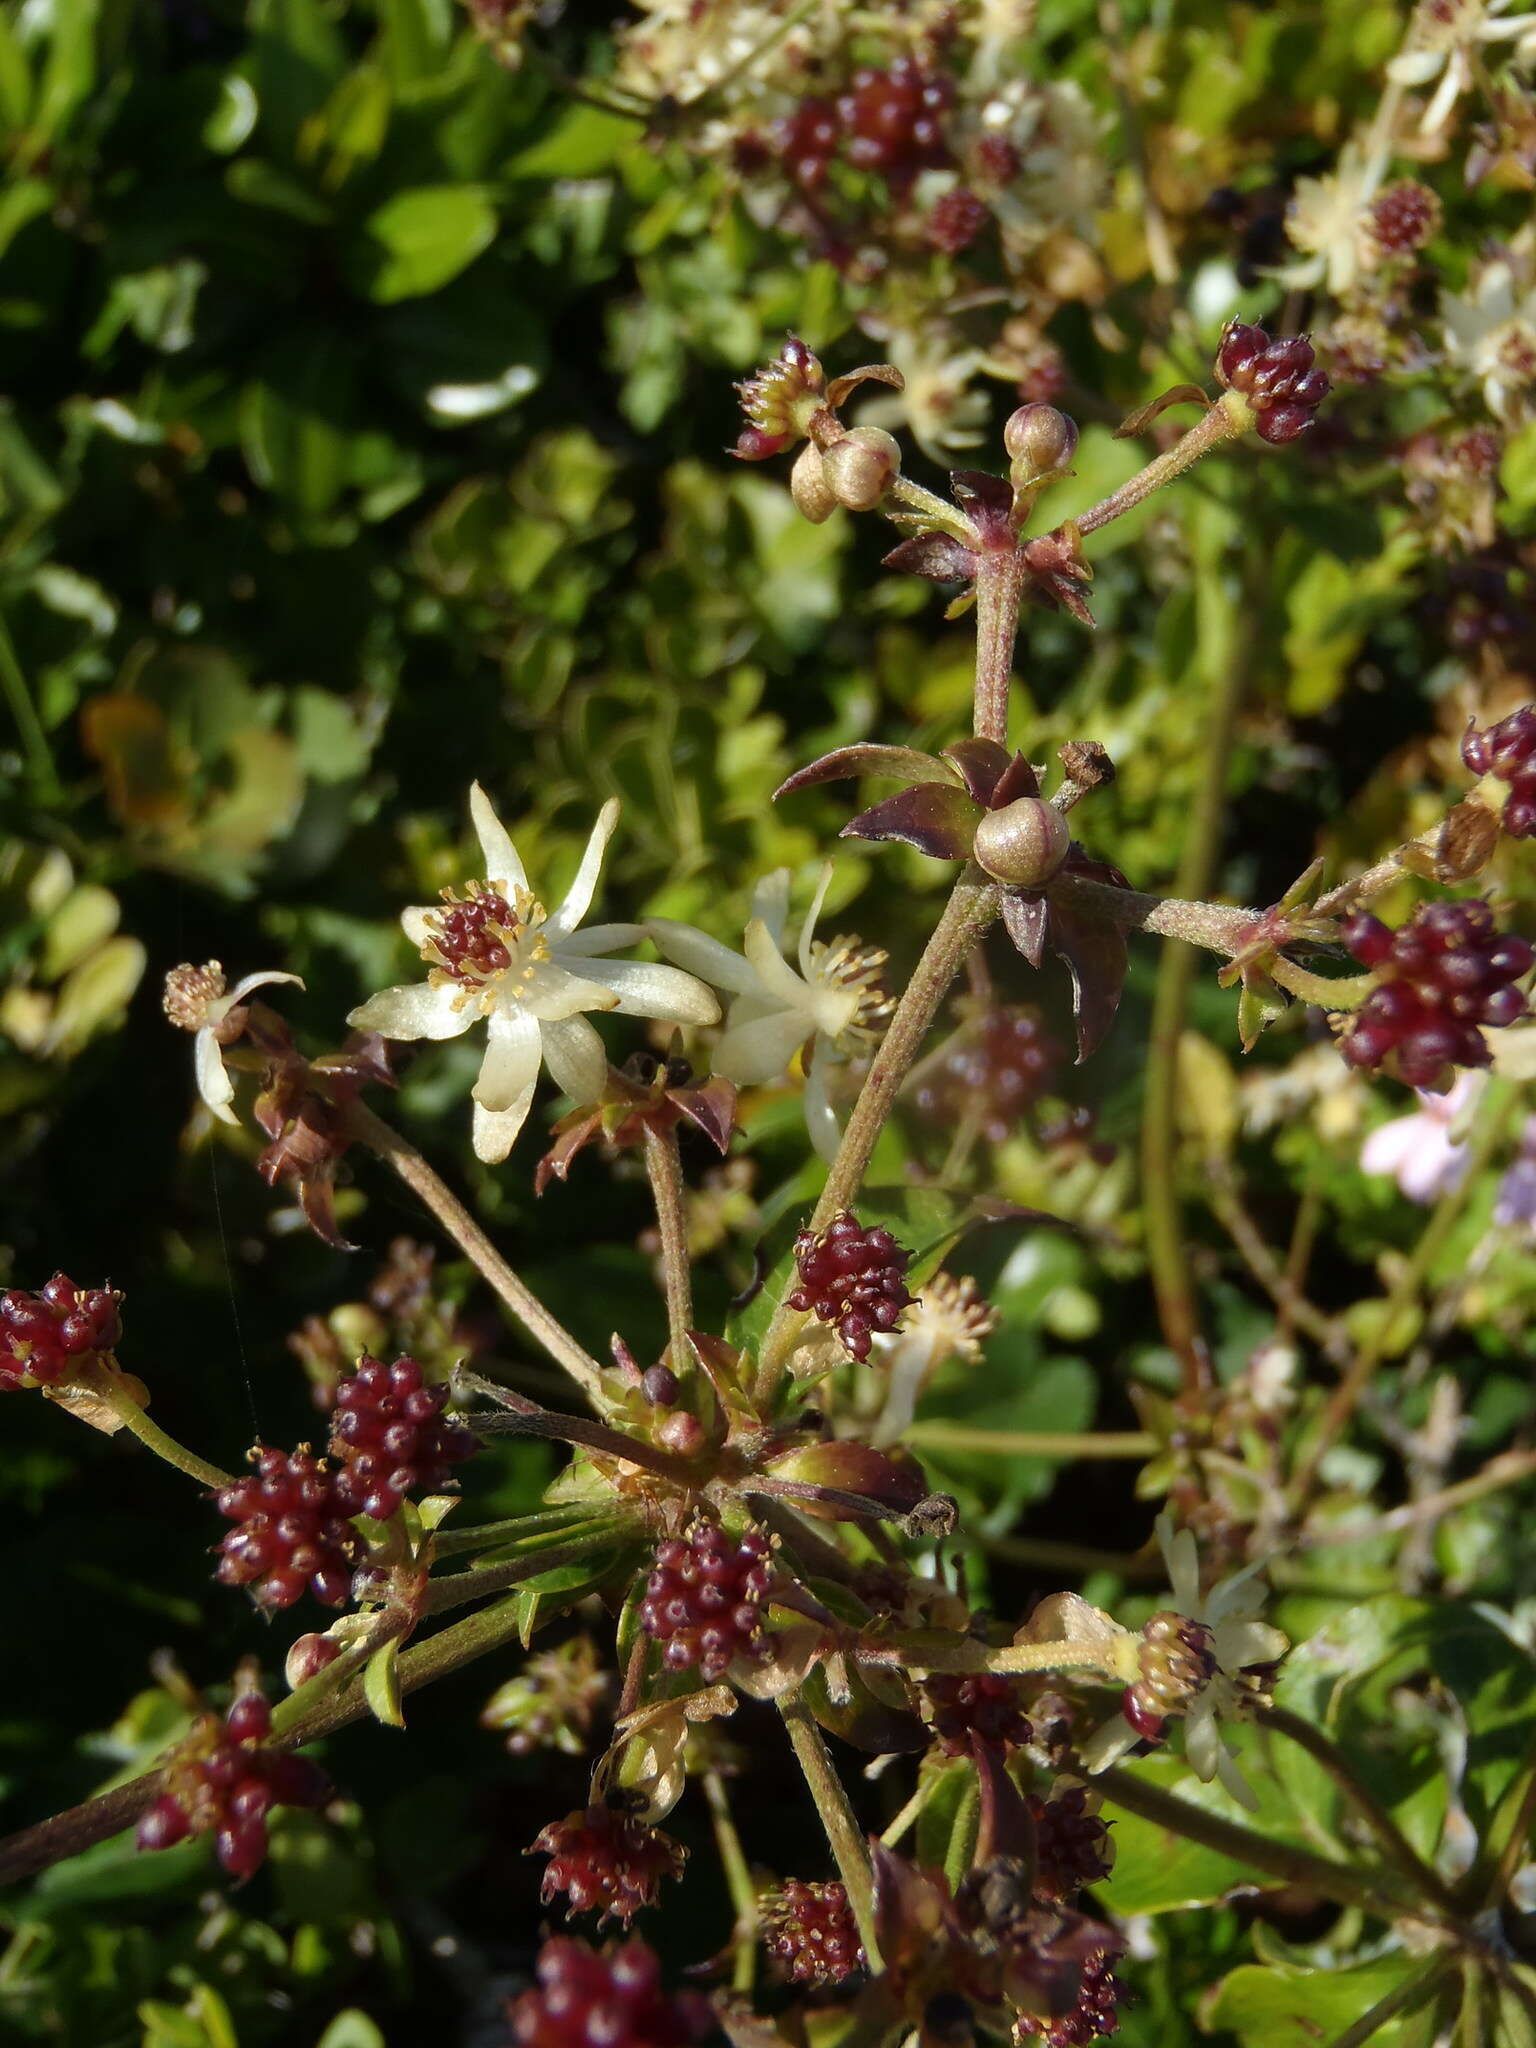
point(937, 400)
point(1203, 1660)
point(1443, 43)
point(197, 999)
point(1491, 331)
point(949, 1319)
point(834, 1003)
point(497, 954)
point(1328, 221)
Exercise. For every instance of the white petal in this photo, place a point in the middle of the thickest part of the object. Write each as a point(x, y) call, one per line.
point(578, 898)
point(1238, 1644)
point(213, 1081)
point(601, 938)
point(413, 922)
point(751, 1053)
point(502, 865)
point(770, 902)
point(1183, 1562)
point(808, 929)
point(1415, 67)
point(252, 982)
point(1235, 1784)
point(574, 1055)
point(419, 1010)
point(820, 1117)
point(1452, 85)
point(702, 955)
point(553, 991)
point(495, 1130)
point(1233, 1598)
point(511, 1064)
point(1202, 1738)
point(774, 974)
point(645, 990)
point(1106, 1745)
point(1390, 1144)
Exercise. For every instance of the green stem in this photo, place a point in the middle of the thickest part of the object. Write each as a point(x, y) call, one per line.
point(738, 1878)
point(962, 1838)
point(102, 1384)
point(1115, 1661)
point(926, 1785)
point(1000, 580)
point(933, 511)
point(34, 741)
point(1399, 1850)
point(971, 908)
point(1229, 417)
point(665, 1169)
point(849, 1849)
point(1493, 1117)
point(1025, 1443)
point(459, 1587)
point(1337, 992)
point(545, 1329)
point(1414, 1991)
point(1508, 1839)
point(1379, 1893)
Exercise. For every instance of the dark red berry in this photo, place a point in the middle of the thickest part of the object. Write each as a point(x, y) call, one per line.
point(807, 141)
point(995, 1068)
point(294, 1532)
point(222, 1781)
point(703, 1600)
point(852, 1279)
point(956, 219)
point(1146, 1724)
point(1280, 379)
point(810, 1934)
point(1508, 750)
point(391, 1437)
point(985, 1704)
point(892, 120)
point(1094, 2017)
point(1072, 1845)
point(613, 1998)
point(1447, 972)
point(606, 1862)
point(470, 938)
point(40, 1334)
point(1404, 217)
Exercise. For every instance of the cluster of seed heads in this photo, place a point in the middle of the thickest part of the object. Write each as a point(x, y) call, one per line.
point(1177, 1663)
point(469, 937)
point(1095, 2016)
point(851, 1278)
point(609, 1998)
point(1508, 750)
point(293, 1532)
point(890, 121)
point(810, 1934)
point(607, 1862)
point(1447, 972)
point(224, 1781)
point(1279, 379)
point(1072, 1845)
point(988, 1705)
point(704, 1598)
point(992, 1072)
point(44, 1335)
point(391, 1438)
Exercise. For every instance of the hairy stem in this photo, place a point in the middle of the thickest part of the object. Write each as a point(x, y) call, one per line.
point(103, 1384)
point(665, 1168)
point(1229, 417)
point(1507, 1469)
point(849, 1849)
point(971, 908)
point(1000, 580)
point(457, 1588)
point(545, 1329)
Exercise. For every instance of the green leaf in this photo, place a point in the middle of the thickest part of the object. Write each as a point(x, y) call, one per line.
point(419, 239)
point(381, 1685)
point(290, 416)
point(351, 2029)
point(1284, 2007)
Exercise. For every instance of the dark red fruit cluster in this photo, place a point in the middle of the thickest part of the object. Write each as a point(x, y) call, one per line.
point(606, 1862)
point(996, 1068)
point(470, 935)
point(703, 1601)
point(42, 1333)
point(810, 1934)
point(391, 1436)
point(1508, 750)
point(1072, 1845)
point(293, 1532)
point(986, 1704)
point(1095, 2015)
point(851, 1278)
point(955, 220)
point(1279, 379)
point(887, 121)
point(223, 1781)
point(613, 1998)
point(1404, 217)
point(1448, 971)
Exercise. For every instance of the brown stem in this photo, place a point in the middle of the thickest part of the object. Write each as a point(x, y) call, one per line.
point(971, 908)
point(1000, 580)
point(1227, 418)
point(845, 1838)
point(594, 1436)
point(1027, 1443)
point(665, 1168)
point(1277, 1281)
point(545, 1329)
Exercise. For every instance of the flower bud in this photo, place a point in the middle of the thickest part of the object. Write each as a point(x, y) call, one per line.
point(1039, 440)
point(858, 468)
point(1024, 843)
point(682, 1434)
point(307, 1656)
point(809, 488)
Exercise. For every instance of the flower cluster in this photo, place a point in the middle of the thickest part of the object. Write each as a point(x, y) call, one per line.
point(46, 1336)
point(293, 1532)
point(609, 1998)
point(606, 1862)
point(390, 1437)
point(1444, 975)
point(810, 1936)
point(1508, 750)
point(704, 1600)
point(224, 1780)
point(851, 1278)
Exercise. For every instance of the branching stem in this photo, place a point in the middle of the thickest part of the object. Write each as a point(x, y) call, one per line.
point(664, 1166)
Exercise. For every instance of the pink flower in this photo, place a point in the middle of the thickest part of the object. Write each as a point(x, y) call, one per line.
point(1425, 1152)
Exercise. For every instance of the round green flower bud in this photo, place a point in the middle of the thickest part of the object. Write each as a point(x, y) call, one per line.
point(1024, 843)
point(860, 466)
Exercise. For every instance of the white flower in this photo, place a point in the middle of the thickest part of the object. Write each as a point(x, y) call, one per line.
point(499, 955)
point(1220, 1642)
point(834, 1002)
point(1443, 44)
point(195, 999)
point(1491, 331)
point(938, 400)
point(1426, 1152)
point(949, 1319)
point(1328, 221)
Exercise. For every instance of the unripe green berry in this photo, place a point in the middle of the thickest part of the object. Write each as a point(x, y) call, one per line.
point(1024, 843)
point(1039, 440)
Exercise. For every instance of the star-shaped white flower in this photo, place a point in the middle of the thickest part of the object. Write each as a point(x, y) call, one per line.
point(197, 1000)
point(1443, 43)
point(834, 1002)
point(1327, 220)
point(1491, 330)
point(497, 954)
point(1232, 1642)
